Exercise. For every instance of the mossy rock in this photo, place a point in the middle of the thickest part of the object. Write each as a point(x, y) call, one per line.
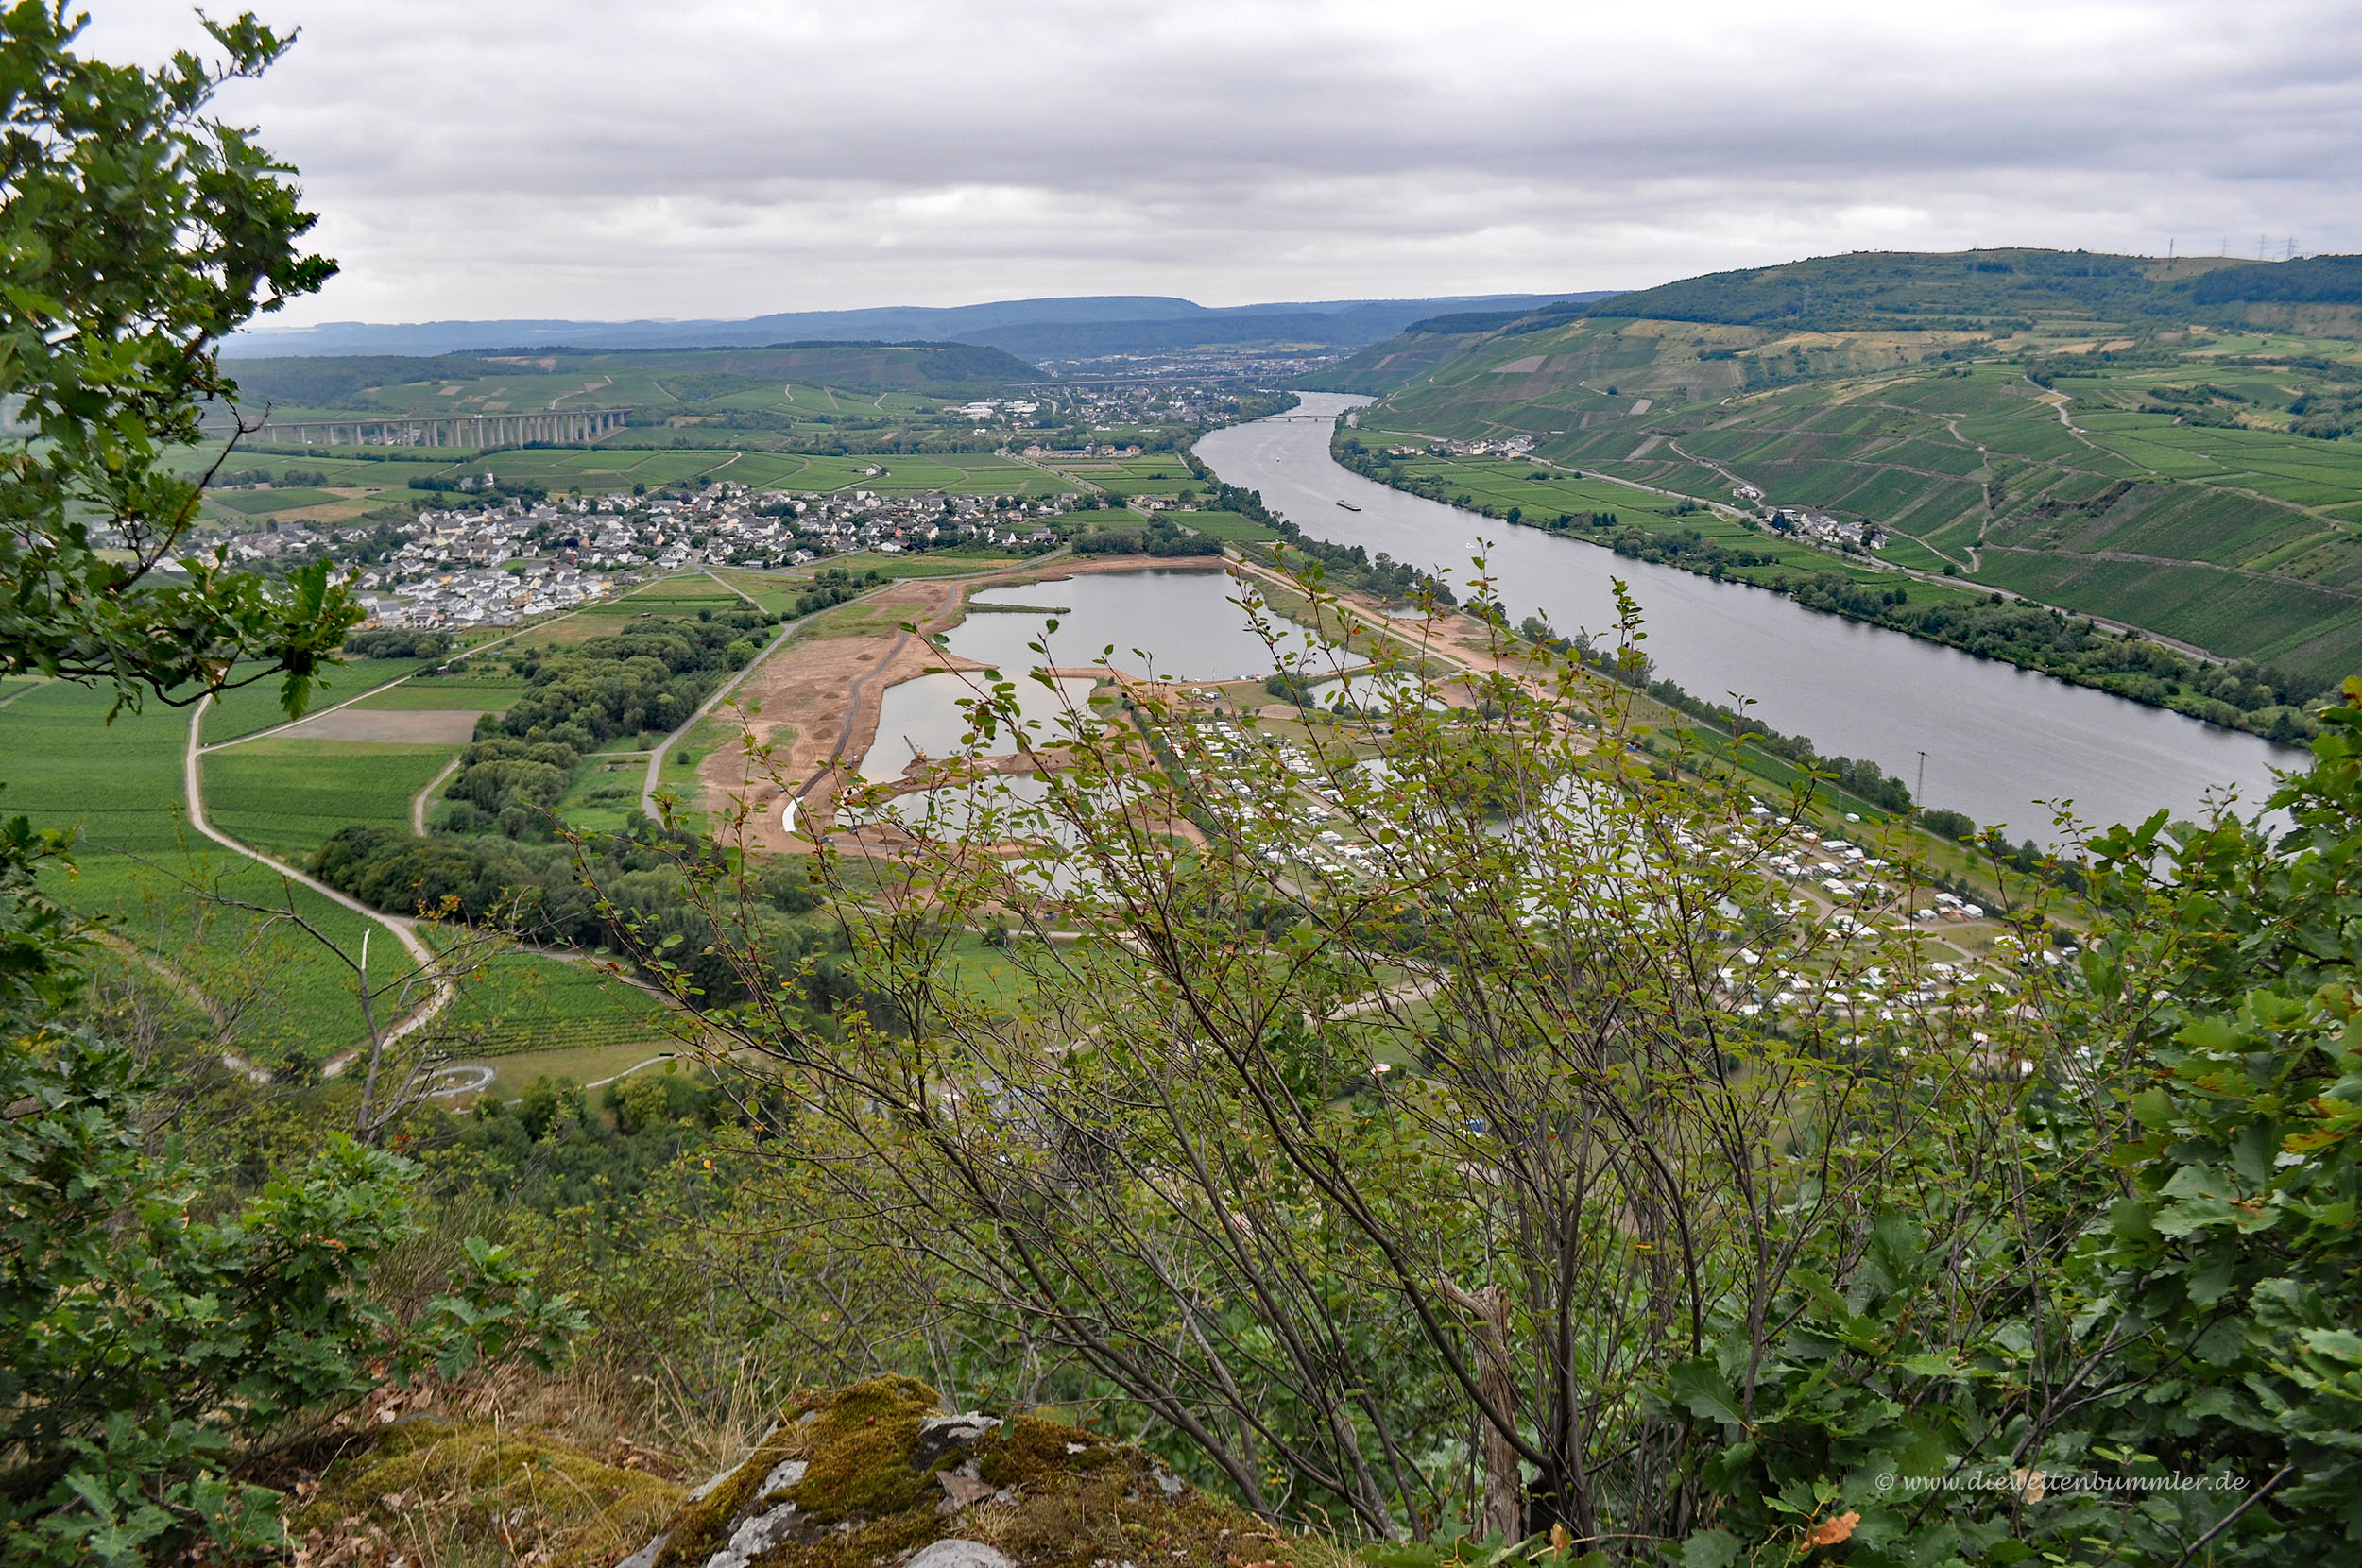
point(471, 1485)
point(872, 1474)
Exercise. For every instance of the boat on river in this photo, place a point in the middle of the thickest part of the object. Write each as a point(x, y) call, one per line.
point(1349, 506)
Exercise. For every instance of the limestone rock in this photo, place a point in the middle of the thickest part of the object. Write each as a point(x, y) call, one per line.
point(755, 1537)
point(959, 1554)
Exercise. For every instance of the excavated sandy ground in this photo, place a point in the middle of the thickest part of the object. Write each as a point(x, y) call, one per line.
point(820, 700)
point(828, 691)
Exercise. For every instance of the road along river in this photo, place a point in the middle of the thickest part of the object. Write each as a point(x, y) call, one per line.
point(1999, 740)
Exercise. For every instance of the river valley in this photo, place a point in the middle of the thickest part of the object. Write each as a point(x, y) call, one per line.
point(1998, 740)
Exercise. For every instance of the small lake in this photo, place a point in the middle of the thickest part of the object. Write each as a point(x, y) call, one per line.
point(924, 715)
point(1996, 739)
point(1170, 625)
point(1164, 623)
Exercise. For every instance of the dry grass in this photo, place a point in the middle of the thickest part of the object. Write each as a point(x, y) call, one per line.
point(511, 1470)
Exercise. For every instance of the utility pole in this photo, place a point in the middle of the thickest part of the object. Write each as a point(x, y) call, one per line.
point(1920, 795)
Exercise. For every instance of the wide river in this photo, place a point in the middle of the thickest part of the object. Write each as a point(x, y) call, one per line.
point(1999, 740)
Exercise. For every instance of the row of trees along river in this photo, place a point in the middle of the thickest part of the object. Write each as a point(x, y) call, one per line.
point(2000, 743)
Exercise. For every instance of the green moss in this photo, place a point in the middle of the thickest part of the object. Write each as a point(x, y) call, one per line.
point(862, 1453)
point(1028, 1451)
point(460, 1487)
point(1068, 1498)
point(698, 1531)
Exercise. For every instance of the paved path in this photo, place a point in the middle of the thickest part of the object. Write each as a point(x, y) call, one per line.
point(404, 930)
point(418, 802)
point(464, 1079)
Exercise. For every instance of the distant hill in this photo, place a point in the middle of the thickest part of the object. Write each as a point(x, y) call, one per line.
point(1975, 291)
point(1096, 324)
point(2171, 446)
point(1986, 290)
point(1905, 290)
point(944, 369)
point(2313, 280)
point(1433, 340)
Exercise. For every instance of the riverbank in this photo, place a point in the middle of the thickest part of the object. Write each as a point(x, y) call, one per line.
point(1731, 544)
point(1998, 742)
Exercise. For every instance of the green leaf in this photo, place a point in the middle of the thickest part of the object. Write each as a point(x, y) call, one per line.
point(1700, 1387)
point(1710, 1548)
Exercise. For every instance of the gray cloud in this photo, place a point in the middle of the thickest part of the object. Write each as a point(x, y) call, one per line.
point(588, 158)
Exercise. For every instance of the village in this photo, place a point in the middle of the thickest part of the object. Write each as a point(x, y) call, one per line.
point(507, 560)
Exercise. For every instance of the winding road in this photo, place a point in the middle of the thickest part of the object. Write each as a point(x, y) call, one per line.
point(404, 930)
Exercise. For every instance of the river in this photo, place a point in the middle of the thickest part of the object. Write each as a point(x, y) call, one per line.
point(1999, 741)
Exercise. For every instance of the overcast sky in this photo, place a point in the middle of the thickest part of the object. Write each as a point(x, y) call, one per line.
point(613, 158)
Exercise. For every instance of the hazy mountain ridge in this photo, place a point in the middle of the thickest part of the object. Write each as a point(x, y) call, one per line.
point(1095, 323)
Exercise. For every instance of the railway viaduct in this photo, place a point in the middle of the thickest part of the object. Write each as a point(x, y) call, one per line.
point(571, 426)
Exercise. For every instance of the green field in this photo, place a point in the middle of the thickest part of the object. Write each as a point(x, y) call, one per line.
point(256, 707)
point(602, 469)
point(259, 501)
point(1162, 474)
point(428, 693)
point(1541, 494)
point(984, 974)
point(513, 1073)
point(120, 785)
point(1226, 525)
point(603, 798)
point(287, 796)
point(526, 1003)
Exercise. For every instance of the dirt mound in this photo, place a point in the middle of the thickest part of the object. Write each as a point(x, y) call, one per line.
point(876, 1474)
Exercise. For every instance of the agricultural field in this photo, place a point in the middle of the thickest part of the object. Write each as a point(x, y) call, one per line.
point(255, 503)
point(515, 1072)
point(1228, 526)
point(287, 796)
point(250, 708)
point(350, 488)
point(1160, 474)
point(1539, 495)
point(445, 693)
point(907, 379)
point(527, 1002)
point(141, 867)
